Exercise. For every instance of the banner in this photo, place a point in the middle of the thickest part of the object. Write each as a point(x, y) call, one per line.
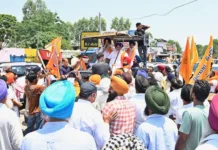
point(204, 68)
point(30, 55)
point(89, 43)
point(46, 55)
point(185, 68)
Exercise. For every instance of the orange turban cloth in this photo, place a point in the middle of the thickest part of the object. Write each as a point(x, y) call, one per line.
point(95, 78)
point(118, 72)
point(10, 77)
point(119, 85)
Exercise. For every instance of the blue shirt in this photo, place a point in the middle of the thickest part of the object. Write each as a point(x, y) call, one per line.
point(65, 70)
point(58, 136)
point(158, 133)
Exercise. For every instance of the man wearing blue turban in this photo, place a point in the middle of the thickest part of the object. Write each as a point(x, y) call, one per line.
point(56, 104)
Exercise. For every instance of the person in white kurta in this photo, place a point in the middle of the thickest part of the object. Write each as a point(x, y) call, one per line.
point(106, 49)
point(57, 105)
point(175, 102)
point(10, 129)
point(102, 93)
point(86, 118)
point(157, 132)
point(138, 99)
point(114, 58)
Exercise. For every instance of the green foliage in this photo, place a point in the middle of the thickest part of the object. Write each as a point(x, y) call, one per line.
point(179, 48)
point(120, 24)
point(7, 27)
point(40, 26)
point(86, 24)
point(66, 45)
point(215, 47)
point(201, 49)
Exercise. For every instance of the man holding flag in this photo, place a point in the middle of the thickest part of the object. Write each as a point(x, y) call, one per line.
point(53, 65)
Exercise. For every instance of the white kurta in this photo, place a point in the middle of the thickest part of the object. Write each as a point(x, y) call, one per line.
point(209, 143)
point(158, 133)
point(86, 118)
point(58, 136)
point(138, 101)
point(10, 129)
point(115, 59)
point(105, 52)
point(175, 102)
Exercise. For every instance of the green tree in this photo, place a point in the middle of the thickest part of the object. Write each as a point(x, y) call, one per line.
point(40, 26)
point(121, 24)
point(200, 49)
point(86, 24)
point(7, 27)
point(179, 48)
point(215, 48)
point(29, 9)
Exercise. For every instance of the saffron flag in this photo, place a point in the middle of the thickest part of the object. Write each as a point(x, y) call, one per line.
point(56, 41)
point(203, 70)
point(194, 53)
point(185, 68)
point(53, 61)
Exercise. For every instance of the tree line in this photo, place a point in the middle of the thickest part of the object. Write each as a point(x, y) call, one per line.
point(40, 25)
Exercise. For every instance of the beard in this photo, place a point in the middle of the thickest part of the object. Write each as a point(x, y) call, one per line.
point(146, 112)
point(111, 96)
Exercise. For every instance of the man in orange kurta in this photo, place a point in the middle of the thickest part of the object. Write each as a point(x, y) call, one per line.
point(131, 51)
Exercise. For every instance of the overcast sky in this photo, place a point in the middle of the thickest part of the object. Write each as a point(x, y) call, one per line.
point(198, 19)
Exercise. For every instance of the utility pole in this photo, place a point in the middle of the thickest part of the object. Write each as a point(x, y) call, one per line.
point(99, 22)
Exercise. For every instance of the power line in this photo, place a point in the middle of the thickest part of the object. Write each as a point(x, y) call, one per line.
point(167, 12)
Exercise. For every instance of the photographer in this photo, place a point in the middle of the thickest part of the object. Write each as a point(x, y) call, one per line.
point(140, 31)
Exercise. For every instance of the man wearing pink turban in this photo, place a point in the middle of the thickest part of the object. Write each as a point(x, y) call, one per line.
point(210, 142)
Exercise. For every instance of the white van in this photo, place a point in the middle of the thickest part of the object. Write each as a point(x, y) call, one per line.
point(21, 67)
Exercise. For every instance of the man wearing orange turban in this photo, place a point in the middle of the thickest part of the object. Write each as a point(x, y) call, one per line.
point(126, 113)
point(118, 72)
point(10, 77)
point(95, 78)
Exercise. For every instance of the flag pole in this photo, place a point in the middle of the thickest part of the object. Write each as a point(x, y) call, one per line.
point(40, 57)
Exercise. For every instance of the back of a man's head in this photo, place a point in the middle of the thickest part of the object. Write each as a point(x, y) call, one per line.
point(7, 69)
point(201, 90)
point(31, 76)
point(127, 77)
point(87, 89)
point(185, 93)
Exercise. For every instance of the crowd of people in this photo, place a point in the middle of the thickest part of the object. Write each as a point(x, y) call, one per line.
point(115, 108)
point(141, 110)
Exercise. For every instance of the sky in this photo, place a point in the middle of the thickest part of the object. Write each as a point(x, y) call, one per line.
point(198, 19)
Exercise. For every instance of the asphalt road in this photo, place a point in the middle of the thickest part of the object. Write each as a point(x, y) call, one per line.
point(22, 120)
